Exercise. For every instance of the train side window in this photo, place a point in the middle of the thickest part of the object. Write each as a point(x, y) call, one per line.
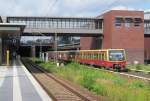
point(98, 56)
point(89, 55)
point(82, 55)
point(102, 56)
point(93, 56)
point(86, 55)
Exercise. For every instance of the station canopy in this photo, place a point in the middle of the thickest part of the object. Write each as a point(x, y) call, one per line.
point(11, 30)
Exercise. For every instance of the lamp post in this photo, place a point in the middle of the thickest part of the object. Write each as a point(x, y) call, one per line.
point(56, 50)
point(55, 47)
point(40, 49)
point(40, 53)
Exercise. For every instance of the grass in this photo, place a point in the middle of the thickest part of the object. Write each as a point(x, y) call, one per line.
point(112, 87)
point(145, 67)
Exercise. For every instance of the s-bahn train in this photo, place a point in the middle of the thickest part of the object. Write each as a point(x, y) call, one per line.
point(108, 58)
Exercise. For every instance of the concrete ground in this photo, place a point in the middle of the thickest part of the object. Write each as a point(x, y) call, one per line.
point(17, 84)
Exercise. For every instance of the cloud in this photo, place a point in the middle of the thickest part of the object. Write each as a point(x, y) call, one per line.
point(122, 8)
point(64, 7)
point(147, 10)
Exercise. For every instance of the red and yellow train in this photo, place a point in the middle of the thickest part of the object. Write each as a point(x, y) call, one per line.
point(108, 58)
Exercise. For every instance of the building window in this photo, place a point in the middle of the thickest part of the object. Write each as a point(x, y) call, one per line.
point(137, 22)
point(118, 21)
point(128, 22)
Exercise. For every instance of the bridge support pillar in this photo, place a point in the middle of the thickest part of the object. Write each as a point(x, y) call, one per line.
point(0, 50)
point(33, 51)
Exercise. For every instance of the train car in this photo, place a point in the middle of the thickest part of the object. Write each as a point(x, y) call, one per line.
point(62, 56)
point(108, 58)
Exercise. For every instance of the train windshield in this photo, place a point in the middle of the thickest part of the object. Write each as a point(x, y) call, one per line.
point(116, 55)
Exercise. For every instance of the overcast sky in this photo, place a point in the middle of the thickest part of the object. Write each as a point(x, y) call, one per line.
point(85, 8)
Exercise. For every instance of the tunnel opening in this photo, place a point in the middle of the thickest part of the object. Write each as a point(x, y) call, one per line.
point(24, 51)
point(28, 51)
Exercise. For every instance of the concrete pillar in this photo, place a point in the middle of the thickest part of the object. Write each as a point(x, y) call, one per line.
point(46, 57)
point(33, 51)
point(0, 50)
point(40, 55)
point(4, 49)
point(43, 58)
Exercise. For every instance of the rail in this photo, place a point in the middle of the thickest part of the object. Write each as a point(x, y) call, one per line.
point(57, 88)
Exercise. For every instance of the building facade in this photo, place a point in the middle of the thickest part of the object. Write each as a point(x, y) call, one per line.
point(122, 30)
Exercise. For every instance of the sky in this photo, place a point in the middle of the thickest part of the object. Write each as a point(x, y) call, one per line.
point(75, 8)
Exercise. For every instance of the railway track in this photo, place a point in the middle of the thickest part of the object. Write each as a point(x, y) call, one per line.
point(132, 74)
point(58, 90)
point(138, 75)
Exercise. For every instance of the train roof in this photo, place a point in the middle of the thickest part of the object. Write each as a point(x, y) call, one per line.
point(85, 50)
point(101, 50)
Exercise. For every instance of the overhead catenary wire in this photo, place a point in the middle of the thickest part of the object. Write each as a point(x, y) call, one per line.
point(109, 6)
point(51, 6)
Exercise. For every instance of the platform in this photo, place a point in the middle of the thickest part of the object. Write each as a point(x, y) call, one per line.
point(17, 84)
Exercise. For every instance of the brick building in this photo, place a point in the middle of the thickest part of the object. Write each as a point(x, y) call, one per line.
point(121, 29)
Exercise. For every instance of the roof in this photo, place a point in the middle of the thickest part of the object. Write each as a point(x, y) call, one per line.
point(55, 17)
point(22, 26)
point(86, 50)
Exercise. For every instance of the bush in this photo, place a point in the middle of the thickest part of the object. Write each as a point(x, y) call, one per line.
point(88, 80)
point(138, 84)
point(138, 67)
point(99, 89)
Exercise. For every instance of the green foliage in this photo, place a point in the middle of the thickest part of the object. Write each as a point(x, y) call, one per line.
point(88, 80)
point(138, 67)
point(111, 86)
point(138, 84)
point(145, 67)
point(100, 89)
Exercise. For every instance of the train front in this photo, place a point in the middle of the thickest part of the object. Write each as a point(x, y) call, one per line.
point(117, 59)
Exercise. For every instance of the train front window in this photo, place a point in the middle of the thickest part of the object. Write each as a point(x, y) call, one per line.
point(116, 55)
